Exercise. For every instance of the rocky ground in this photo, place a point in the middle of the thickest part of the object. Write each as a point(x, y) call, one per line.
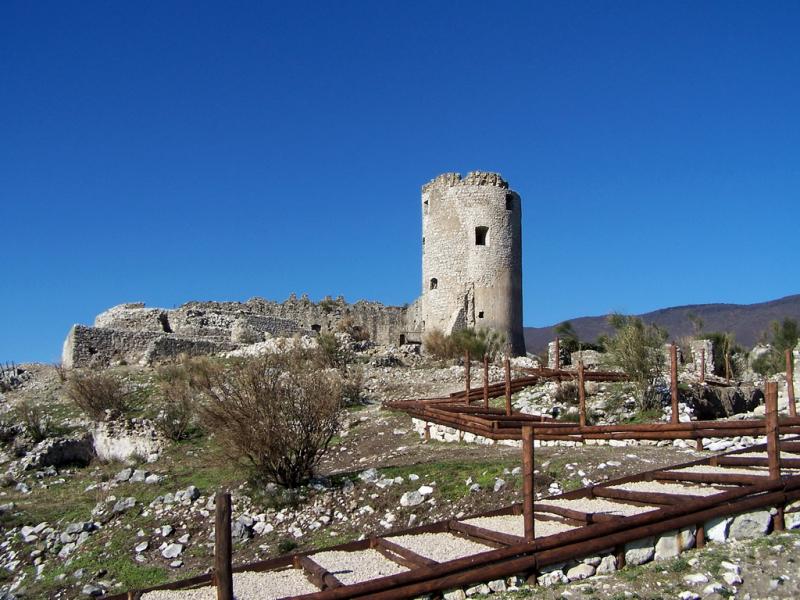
point(762, 569)
point(79, 528)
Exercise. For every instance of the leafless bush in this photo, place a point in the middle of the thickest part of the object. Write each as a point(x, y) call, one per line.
point(277, 412)
point(178, 396)
point(8, 430)
point(34, 422)
point(567, 393)
point(347, 325)
point(353, 384)
point(99, 394)
point(61, 372)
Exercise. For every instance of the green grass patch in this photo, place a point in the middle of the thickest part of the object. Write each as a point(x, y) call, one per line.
point(451, 476)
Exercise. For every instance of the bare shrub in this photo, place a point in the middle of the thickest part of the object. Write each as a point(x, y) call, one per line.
point(34, 422)
point(567, 393)
point(278, 413)
point(347, 325)
point(331, 352)
point(8, 430)
point(178, 396)
point(177, 410)
point(61, 372)
point(99, 394)
point(352, 385)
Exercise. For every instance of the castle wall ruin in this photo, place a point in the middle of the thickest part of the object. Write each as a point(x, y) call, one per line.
point(472, 277)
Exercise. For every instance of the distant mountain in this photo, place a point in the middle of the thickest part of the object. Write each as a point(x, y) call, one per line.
point(747, 321)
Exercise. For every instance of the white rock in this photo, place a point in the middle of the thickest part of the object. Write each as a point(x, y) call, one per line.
point(750, 525)
point(717, 529)
point(172, 551)
point(731, 578)
point(425, 490)
point(712, 588)
point(411, 499)
point(640, 551)
point(695, 579)
point(581, 571)
point(607, 565)
point(551, 578)
point(672, 543)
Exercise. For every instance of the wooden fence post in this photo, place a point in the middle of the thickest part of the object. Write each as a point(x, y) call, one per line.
point(486, 380)
point(673, 354)
point(790, 384)
point(771, 422)
point(467, 375)
point(507, 365)
point(581, 395)
point(527, 482)
point(223, 547)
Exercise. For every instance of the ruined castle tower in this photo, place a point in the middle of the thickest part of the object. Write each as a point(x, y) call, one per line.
point(472, 256)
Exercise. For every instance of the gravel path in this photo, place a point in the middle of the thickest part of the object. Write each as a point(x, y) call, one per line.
point(599, 505)
point(663, 487)
point(515, 525)
point(764, 454)
point(440, 547)
point(758, 471)
point(250, 585)
point(355, 567)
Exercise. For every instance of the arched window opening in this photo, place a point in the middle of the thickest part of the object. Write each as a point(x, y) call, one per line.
point(481, 236)
point(316, 327)
point(509, 201)
point(434, 283)
point(480, 315)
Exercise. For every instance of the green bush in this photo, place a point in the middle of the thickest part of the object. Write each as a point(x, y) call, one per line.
point(785, 335)
point(638, 349)
point(479, 343)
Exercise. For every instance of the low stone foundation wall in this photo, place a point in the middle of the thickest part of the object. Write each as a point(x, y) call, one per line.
point(443, 433)
point(668, 545)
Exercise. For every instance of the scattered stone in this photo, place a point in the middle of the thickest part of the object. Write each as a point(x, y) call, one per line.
point(172, 551)
point(750, 525)
point(123, 505)
point(411, 499)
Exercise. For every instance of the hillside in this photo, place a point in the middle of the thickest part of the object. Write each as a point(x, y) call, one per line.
point(747, 321)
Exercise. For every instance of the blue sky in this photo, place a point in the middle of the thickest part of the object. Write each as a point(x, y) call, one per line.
point(173, 151)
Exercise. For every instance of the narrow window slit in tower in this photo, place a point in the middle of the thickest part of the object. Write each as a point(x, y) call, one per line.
point(425, 206)
point(480, 315)
point(481, 235)
point(509, 201)
point(434, 283)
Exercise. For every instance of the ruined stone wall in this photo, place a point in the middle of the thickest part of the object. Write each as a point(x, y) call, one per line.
point(134, 334)
point(466, 283)
point(697, 347)
point(102, 347)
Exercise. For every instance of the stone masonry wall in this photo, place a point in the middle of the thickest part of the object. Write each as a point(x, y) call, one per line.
point(135, 334)
point(466, 284)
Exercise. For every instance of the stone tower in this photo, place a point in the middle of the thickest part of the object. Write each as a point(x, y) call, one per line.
point(472, 256)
